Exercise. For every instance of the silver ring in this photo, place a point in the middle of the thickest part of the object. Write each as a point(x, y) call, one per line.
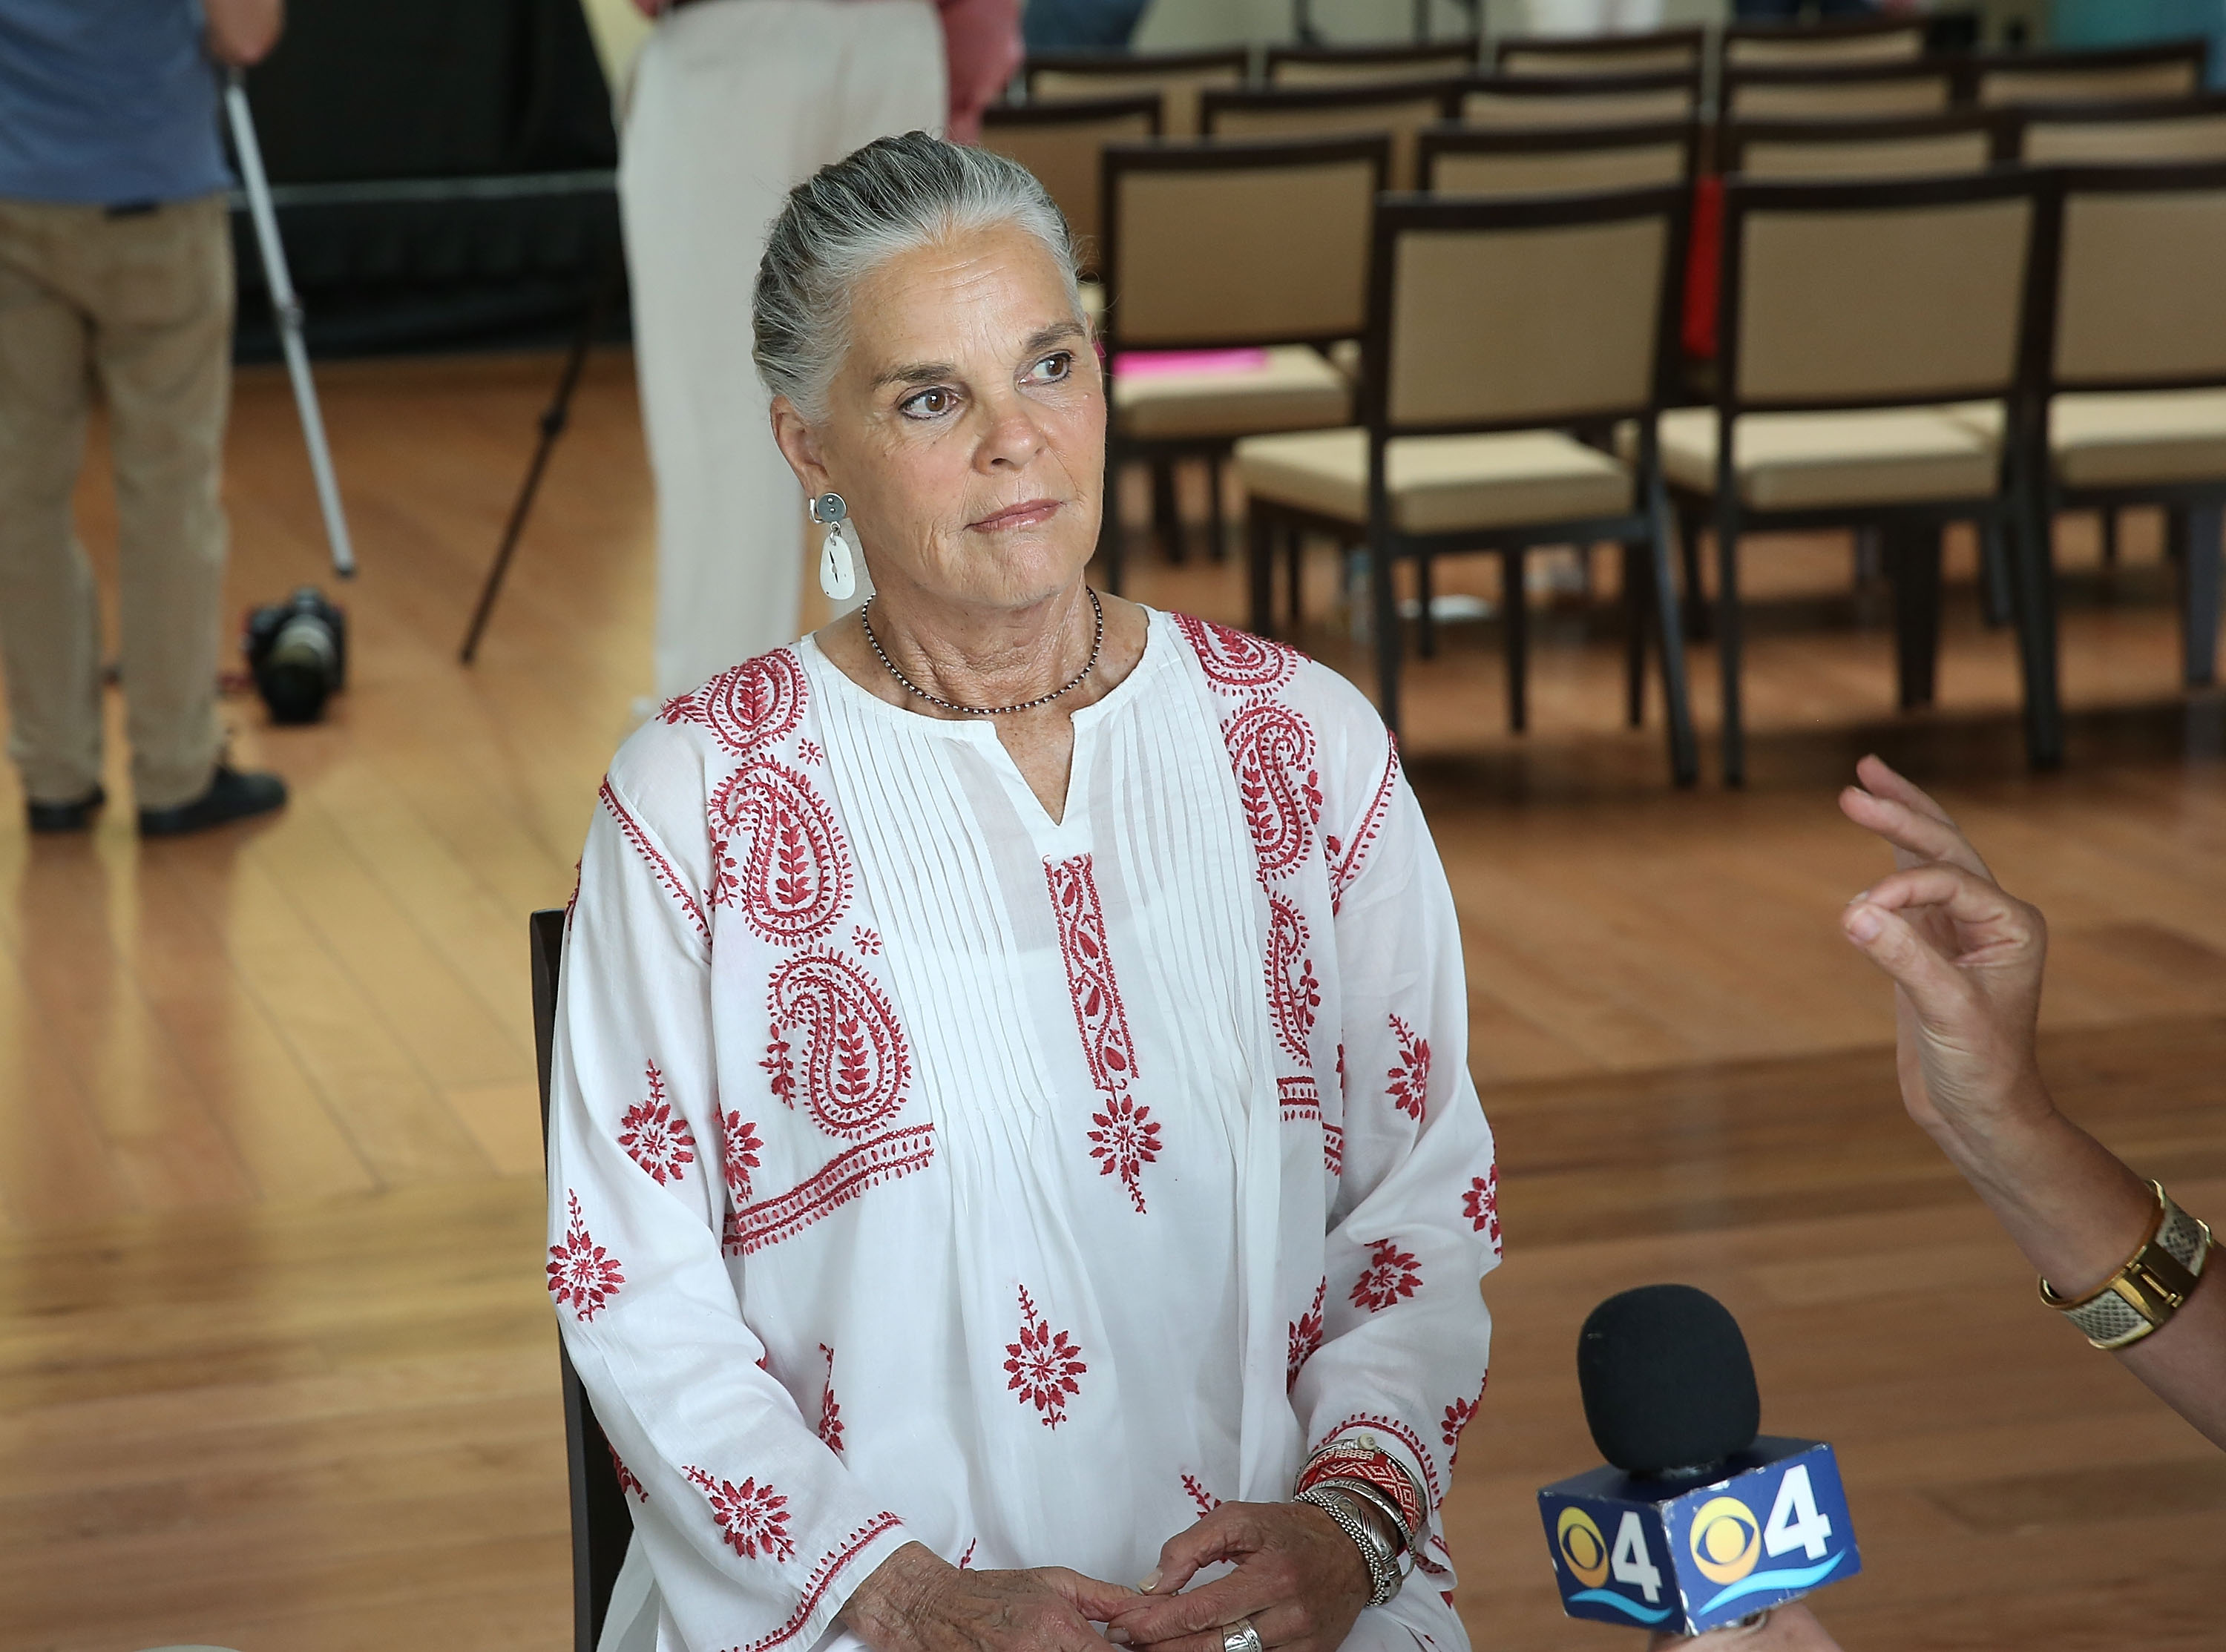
point(1241, 1636)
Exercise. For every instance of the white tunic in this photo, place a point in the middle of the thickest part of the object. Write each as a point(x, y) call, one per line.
point(925, 1169)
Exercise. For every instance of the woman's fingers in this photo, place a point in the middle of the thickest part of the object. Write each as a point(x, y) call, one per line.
point(1882, 780)
point(1984, 918)
point(1097, 1600)
point(1279, 1625)
point(1217, 1537)
point(1915, 833)
point(1212, 1608)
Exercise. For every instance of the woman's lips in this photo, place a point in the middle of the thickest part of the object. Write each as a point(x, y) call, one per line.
point(1027, 514)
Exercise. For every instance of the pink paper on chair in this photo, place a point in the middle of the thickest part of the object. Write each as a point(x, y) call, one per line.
point(1149, 364)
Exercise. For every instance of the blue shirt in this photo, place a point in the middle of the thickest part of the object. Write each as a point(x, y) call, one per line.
point(107, 102)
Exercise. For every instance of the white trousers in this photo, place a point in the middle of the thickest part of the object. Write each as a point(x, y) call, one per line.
point(732, 104)
point(1591, 16)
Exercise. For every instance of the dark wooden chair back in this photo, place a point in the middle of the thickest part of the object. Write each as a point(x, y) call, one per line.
point(1638, 53)
point(1556, 160)
point(1838, 91)
point(1174, 77)
point(1962, 140)
point(2141, 133)
point(602, 1525)
point(1576, 99)
point(1400, 109)
point(2165, 69)
point(1856, 40)
point(1345, 66)
point(1063, 143)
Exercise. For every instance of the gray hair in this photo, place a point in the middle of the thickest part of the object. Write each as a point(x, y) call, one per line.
point(892, 196)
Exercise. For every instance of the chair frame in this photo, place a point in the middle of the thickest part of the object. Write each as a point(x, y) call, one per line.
point(2018, 119)
point(1648, 579)
point(1577, 85)
point(1834, 74)
point(1837, 28)
point(1437, 52)
point(1578, 48)
point(1912, 530)
point(1214, 101)
point(1973, 68)
point(1061, 112)
point(602, 1525)
point(1207, 154)
point(1551, 140)
point(2192, 510)
point(1128, 64)
point(1732, 136)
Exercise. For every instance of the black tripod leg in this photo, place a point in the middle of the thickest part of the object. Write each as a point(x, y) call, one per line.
point(553, 419)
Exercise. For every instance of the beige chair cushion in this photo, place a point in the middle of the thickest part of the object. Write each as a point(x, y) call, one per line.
point(1438, 484)
point(1806, 461)
point(2138, 438)
point(1296, 390)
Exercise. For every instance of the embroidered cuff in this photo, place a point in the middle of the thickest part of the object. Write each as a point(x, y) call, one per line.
point(1362, 1457)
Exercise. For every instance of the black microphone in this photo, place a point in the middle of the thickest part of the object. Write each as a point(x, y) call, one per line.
point(1673, 1534)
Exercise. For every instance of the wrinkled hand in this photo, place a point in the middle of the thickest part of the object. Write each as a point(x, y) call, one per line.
point(1788, 1628)
point(1299, 1578)
point(1965, 958)
point(916, 1601)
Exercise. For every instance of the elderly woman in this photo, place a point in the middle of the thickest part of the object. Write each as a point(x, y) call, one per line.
point(1013, 1166)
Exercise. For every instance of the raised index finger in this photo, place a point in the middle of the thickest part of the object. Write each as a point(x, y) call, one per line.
point(1915, 825)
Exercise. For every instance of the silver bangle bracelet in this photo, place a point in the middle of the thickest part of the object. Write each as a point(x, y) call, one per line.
point(1383, 1576)
point(1374, 1498)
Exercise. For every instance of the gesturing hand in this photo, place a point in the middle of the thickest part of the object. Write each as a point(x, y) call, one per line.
point(1299, 1579)
point(1966, 961)
point(916, 1601)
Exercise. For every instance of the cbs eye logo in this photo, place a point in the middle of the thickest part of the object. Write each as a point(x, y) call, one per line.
point(1583, 1550)
point(1725, 1540)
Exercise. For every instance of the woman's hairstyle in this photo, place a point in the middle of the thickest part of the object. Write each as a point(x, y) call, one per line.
point(893, 195)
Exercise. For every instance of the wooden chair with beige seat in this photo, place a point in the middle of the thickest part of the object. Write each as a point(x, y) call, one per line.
point(1230, 265)
point(1856, 40)
point(1847, 313)
point(2116, 74)
point(1174, 77)
point(1556, 160)
point(1340, 65)
point(1400, 109)
point(1907, 146)
point(2098, 133)
point(1578, 99)
point(1493, 327)
point(1836, 92)
point(1681, 49)
point(1063, 145)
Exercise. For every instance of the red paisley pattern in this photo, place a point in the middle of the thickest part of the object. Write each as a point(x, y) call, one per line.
point(661, 1144)
point(583, 1275)
point(1125, 1137)
point(1307, 1335)
point(757, 702)
point(856, 1062)
point(1236, 662)
point(1409, 1083)
point(793, 884)
point(1278, 782)
point(1294, 992)
point(1041, 1368)
point(753, 1517)
point(1392, 1275)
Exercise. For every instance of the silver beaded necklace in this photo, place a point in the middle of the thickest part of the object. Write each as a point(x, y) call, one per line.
point(1097, 644)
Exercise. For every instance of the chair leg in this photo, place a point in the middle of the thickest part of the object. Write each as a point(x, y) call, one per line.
point(1515, 592)
point(1994, 573)
point(2033, 592)
point(1166, 514)
point(1684, 752)
point(2200, 583)
point(1389, 638)
point(1216, 527)
point(1426, 640)
point(1637, 605)
point(1689, 528)
point(1912, 555)
point(1260, 565)
point(2109, 537)
point(1727, 641)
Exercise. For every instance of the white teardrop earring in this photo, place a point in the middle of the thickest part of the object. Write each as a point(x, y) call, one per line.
point(839, 572)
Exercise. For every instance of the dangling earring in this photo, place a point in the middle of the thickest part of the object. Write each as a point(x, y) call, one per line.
point(838, 573)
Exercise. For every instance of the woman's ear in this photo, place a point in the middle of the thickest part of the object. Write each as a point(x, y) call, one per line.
point(799, 444)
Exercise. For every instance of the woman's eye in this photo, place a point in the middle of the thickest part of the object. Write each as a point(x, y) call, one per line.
point(1053, 368)
point(928, 404)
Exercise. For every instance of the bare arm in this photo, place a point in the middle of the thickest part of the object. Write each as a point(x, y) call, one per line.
point(1785, 1629)
point(242, 32)
point(1965, 960)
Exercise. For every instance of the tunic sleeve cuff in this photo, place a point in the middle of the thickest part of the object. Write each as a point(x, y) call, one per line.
point(834, 1580)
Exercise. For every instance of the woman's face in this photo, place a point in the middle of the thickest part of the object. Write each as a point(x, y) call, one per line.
point(965, 427)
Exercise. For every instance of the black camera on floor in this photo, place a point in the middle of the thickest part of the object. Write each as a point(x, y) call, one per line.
point(297, 653)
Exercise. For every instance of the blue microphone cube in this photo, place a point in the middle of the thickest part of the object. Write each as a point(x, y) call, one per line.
point(1772, 1528)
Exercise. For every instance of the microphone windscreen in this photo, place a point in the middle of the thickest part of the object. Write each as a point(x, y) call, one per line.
point(1667, 1382)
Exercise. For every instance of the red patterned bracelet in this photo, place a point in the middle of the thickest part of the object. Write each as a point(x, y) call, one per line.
point(1374, 1468)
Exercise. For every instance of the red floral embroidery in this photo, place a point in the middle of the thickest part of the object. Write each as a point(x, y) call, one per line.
point(1409, 1081)
point(754, 1517)
point(627, 1482)
point(583, 1275)
point(830, 1414)
point(1126, 1138)
point(1480, 1204)
point(835, 1184)
point(661, 1144)
point(572, 900)
point(1206, 1501)
point(1334, 1149)
point(1273, 752)
point(856, 1062)
point(1458, 1417)
point(739, 1142)
point(755, 703)
point(1307, 1335)
point(1294, 993)
point(1043, 1365)
point(823, 1575)
point(794, 883)
point(967, 1558)
point(645, 846)
point(1391, 1275)
point(1236, 662)
point(807, 751)
point(864, 940)
point(1347, 859)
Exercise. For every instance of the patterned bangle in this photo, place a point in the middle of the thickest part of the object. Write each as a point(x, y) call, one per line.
point(2149, 1288)
point(1365, 1462)
point(1376, 1500)
point(1384, 1577)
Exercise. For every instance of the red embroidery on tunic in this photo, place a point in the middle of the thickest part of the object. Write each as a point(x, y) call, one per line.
point(864, 940)
point(662, 1145)
point(1409, 1081)
point(1125, 1137)
point(739, 1142)
point(627, 1482)
point(1300, 1098)
point(583, 1275)
point(572, 901)
point(837, 1182)
point(1294, 993)
point(830, 1412)
point(967, 1558)
point(1480, 1204)
point(1307, 1335)
point(856, 1062)
point(1206, 1501)
point(1273, 752)
point(1392, 1275)
point(807, 751)
point(1334, 1149)
point(1378, 1469)
point(666, 877)
point(754, 1517)
point(1347, 859)
point(1043, 1365)
point(1402, 1432)
point(830, 1566)
point(1236, 662)
point(794, 882)
point(1458, 1417)
point(752, 705)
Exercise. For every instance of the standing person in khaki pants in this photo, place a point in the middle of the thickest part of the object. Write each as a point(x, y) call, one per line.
point(116, 270)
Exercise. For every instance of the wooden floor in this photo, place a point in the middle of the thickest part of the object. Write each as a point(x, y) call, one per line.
point(276, 1367)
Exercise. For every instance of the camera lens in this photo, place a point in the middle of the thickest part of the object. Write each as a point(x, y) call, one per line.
point(299, 671)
